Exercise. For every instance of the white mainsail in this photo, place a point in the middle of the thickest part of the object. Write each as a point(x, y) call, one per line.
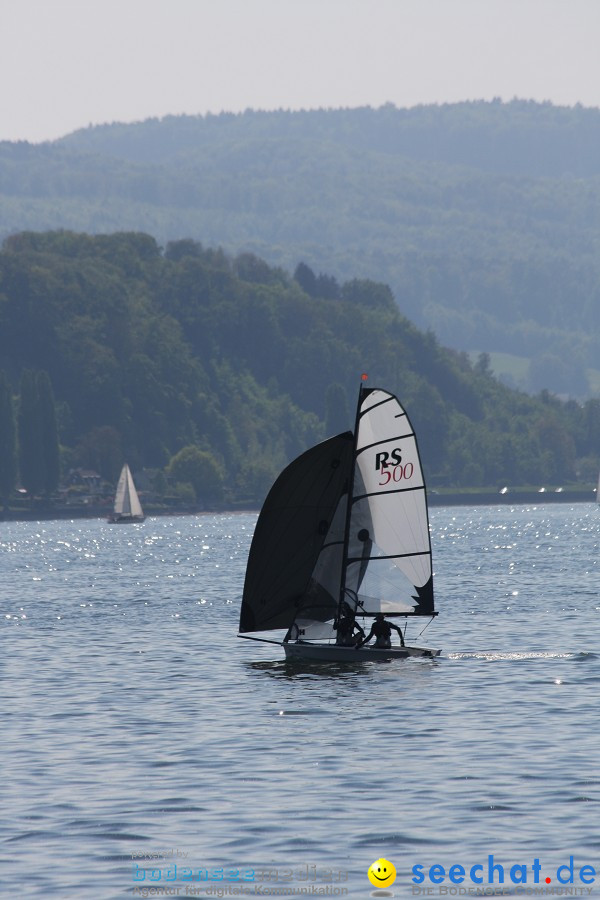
point(127, 502)
point(378, 559)
point(389, 548)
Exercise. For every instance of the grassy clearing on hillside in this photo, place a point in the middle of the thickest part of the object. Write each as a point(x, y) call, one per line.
point(514, 370)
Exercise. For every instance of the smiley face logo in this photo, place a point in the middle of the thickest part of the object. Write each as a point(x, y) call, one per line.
point(381, 873)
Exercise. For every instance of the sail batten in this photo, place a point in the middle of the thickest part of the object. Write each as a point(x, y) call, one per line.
point(387, 493)
point(386, 440)
point(352, 559)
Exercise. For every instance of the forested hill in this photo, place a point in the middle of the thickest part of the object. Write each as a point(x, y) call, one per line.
point(150, 352)
point(484, 218)
point(517, 138)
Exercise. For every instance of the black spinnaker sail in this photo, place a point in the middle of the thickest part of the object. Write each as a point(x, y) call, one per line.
point(290, 534)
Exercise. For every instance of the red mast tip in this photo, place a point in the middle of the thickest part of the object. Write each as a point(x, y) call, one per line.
point(364, 376)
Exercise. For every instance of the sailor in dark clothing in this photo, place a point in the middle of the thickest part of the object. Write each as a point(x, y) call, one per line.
point(381, 630)
point(347, 628)
point(348, 631)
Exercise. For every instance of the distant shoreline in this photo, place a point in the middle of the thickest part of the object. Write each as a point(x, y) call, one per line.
point(514, 497)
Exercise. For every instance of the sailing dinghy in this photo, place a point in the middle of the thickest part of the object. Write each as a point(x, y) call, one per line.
point(344, 534)
point(127, 507)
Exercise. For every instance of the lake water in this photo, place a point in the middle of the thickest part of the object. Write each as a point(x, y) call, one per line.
point(143, 744)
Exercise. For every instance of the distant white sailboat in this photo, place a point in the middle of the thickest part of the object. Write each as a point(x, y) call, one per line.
point(127, 507)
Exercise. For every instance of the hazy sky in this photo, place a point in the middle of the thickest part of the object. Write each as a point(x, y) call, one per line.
point(67, 63)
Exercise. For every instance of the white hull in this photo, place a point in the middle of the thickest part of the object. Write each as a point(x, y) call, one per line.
point(335, 653)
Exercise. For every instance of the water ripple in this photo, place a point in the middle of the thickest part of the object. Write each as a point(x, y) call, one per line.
point(134, 721)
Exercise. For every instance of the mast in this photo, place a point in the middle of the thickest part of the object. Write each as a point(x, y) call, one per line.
point(361, 391)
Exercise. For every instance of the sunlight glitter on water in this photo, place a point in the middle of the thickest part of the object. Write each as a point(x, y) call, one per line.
point(134, 719)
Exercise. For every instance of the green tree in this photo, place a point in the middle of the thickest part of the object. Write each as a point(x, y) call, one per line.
point(31, 455)
point(8, 441)
point(337, 416)
point(255, 479)
point(591, 427)
point(306, 278)
point(483, 365)
point(101, 450)
point(48, 432)
point(371, 294)
point(430, 419)
point(557, 447)
point(200, 469)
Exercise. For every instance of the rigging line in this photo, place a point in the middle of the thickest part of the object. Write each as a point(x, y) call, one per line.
point(249, 637)
point(426, 626)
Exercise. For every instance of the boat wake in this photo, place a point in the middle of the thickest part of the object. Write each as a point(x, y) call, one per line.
point(511, 655)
